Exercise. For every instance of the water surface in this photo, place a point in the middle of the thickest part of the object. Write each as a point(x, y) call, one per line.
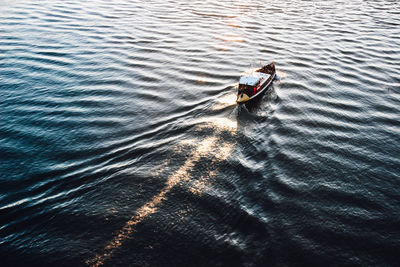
point(121, 143)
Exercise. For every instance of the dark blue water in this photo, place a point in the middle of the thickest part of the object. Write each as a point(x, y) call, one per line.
point(121, 144)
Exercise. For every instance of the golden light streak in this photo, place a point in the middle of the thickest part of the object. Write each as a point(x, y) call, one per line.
point(229, 38)
point(234, 25)
point(202, 80)
point(219, 124)
point(206, 147)
point(221, 47)
point(225, 101)
point(202, 184)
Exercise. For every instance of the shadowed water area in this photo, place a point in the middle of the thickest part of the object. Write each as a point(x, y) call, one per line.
point(121, 144)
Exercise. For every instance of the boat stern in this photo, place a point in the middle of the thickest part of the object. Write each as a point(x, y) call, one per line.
point(242, 98)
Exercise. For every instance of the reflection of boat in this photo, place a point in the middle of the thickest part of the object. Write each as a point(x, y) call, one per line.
point(252, 85)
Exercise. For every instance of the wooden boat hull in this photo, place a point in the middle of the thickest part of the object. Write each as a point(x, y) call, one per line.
point(243, 98)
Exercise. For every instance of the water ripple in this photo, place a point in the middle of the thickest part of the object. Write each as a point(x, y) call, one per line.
point(120, 133)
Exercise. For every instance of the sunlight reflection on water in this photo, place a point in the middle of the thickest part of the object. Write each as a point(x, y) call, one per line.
point(212, 148)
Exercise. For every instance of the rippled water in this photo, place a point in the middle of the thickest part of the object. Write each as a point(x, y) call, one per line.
point(121, 143)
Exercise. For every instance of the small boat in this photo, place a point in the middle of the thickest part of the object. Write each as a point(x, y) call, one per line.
point(254, 84)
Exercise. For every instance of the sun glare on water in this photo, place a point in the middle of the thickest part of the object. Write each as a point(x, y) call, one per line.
point(211, 148)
